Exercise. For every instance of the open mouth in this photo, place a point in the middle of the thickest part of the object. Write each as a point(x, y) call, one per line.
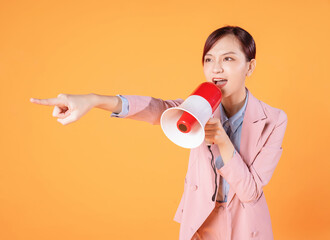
point(219, 81)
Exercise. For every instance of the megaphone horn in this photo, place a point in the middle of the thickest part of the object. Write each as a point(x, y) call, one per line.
point(184, 124)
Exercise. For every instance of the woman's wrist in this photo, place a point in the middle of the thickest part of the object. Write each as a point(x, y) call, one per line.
point(109, 103)
point(226, 150)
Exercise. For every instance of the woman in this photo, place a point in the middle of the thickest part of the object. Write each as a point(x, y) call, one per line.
point(223, 190)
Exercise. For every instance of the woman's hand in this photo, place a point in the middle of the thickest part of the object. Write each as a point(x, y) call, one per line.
point(68, 108)
point(215, 133)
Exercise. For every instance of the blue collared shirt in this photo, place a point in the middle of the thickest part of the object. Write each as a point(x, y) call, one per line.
point(235, 122)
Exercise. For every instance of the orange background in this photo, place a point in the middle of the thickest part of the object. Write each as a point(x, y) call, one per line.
point(109, 178)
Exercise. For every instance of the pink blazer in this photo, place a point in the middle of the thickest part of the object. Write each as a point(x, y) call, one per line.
point(247, 172)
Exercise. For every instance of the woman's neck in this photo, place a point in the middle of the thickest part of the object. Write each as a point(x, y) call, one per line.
point(233, 105)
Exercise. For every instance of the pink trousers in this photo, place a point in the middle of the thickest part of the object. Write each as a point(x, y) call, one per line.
point(215, 226)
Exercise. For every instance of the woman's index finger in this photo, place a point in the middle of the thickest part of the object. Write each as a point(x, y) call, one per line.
point(48, 101)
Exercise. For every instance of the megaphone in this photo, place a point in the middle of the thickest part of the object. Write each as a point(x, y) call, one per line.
point(184, 124)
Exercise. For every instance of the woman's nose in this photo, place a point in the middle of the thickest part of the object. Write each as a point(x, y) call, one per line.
point(217, 68)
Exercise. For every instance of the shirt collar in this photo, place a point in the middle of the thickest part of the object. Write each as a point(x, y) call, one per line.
point(236, 120)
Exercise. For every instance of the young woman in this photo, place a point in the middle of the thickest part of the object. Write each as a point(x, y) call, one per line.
point(223, 190)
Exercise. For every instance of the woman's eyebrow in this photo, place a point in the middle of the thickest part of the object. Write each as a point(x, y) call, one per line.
point(222, 54)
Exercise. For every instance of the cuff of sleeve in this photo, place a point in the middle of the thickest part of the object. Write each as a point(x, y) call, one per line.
point(124, 110)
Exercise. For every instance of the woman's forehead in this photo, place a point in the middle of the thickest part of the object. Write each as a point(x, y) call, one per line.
point(225, 45)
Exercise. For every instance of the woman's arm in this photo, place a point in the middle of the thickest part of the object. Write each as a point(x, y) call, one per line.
point(69, 108)
point(248, 181)
point(148, 109)
point(142, 108)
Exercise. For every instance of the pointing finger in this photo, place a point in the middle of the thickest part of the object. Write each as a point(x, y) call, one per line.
point(49, 101)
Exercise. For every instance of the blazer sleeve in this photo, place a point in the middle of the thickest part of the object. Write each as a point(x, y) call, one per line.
point(148, 109)
point(247, 182)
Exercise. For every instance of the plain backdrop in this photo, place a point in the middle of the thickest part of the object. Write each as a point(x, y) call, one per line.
point(108, 178)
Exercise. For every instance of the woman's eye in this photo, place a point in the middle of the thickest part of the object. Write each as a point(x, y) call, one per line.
point(208, 59)
point(228, 57)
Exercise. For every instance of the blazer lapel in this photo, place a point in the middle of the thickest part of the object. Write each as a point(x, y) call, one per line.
point(253, 124)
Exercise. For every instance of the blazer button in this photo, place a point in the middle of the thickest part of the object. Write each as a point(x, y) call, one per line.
point(194, 187)
point(254, 234)
point(185, 180)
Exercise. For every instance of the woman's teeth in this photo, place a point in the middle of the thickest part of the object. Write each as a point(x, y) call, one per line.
point(220, 82)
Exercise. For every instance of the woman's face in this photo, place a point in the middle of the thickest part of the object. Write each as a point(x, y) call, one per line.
point(226, 60)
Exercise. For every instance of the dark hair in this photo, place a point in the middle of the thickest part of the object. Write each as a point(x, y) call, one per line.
point(248, 45)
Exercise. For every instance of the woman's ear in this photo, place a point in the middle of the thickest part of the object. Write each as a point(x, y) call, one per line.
point(252, 66)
